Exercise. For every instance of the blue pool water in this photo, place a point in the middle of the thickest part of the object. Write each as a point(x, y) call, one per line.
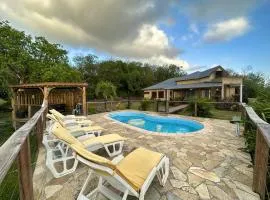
point(157, 123)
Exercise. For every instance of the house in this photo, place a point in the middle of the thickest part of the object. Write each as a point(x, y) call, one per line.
point(214, 83)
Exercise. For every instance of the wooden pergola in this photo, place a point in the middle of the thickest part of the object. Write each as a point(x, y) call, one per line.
point(28, 98)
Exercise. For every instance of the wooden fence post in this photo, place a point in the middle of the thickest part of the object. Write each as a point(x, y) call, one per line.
point(29, 111)
point(167, 106)
point(105, 105)
point(196, 109)
point(25, 172)
point(39, 132)
point(128, 105)
point(261, 162)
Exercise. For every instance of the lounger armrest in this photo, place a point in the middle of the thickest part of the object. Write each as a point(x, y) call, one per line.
point(148, 182)
point(117, 159)
point(85, 137)
point(77, 133)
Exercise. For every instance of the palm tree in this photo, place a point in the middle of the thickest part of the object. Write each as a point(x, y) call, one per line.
point(106, 89)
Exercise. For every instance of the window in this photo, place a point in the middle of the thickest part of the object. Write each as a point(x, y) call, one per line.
point(154, 95)
point(146, 92)
point(161, 94)
point(219, 74)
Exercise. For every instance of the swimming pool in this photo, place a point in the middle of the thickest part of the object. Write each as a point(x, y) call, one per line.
point(157, 123)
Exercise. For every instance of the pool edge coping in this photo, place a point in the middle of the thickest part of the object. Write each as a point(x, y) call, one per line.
point(206, 129)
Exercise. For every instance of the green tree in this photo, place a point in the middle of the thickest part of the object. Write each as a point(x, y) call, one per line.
point(15, 59)
point(254, 84)
point(26, 60)
point(106, 89)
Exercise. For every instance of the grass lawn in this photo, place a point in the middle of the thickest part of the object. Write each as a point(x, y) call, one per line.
point(216, 113)
point(224, 114)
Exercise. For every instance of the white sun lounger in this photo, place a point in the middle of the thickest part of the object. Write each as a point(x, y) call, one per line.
point(59, 152)
point(78, 129)
point(123, 176)
point(71, 121)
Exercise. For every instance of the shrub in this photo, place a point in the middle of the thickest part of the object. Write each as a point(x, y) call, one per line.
point(91, 110)
point(227, 105)
point(145, 104)
point(262, 107)
point(250, 138)
point(203, 107)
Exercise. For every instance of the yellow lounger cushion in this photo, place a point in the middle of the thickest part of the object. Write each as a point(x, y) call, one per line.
point(105, 139)
point(137, 165)
point(87, 128)
point(51, 117)
point(92, 157)
point(64, 135)
point(134, 168)
point(60, 116)
point(57, 114)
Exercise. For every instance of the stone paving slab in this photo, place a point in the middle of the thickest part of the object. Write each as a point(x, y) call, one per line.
point(207, 165)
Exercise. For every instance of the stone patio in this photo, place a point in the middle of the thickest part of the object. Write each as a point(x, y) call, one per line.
point(205, 165)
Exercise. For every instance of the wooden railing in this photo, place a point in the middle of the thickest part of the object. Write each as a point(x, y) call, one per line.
point(261, 158)
point(105, 106)
point(156, 105)
point(18, 147)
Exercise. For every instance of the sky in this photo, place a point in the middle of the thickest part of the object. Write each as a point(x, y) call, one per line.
point(194, 34)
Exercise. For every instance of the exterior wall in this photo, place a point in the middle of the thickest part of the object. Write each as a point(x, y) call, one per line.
point(148, 94)
point(178, 94)
point(229, 92)
point(232, 80)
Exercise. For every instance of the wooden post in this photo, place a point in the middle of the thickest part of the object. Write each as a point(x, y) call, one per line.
point(128, 106)
point(29, 111)
point(39, 131)
point(157, 105)
point(196, 109)
point(84, 101)
point(25, 172)
point(13, 101)
point(261, 160)
point(105, 105)
point(222, 92)
point(46, 93)
point(167, 102)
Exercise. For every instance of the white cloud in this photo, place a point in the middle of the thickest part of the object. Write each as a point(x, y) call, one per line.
point(163, 60)
point(216, 10)
point(227, 30)
point(119, 28)
point(187, 37)
point(193, 28)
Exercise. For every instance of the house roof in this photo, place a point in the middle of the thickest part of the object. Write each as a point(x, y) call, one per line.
point(172, 83)
point(198, 74)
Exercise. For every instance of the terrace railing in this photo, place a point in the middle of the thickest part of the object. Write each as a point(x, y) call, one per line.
point(106, 106)
point(261, 175)
point(154, 105)
point(17, 147)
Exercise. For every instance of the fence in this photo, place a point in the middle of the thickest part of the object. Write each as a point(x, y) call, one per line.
point(18, 147)
point(106, 106)
point(261, 175)
point(163, 106)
